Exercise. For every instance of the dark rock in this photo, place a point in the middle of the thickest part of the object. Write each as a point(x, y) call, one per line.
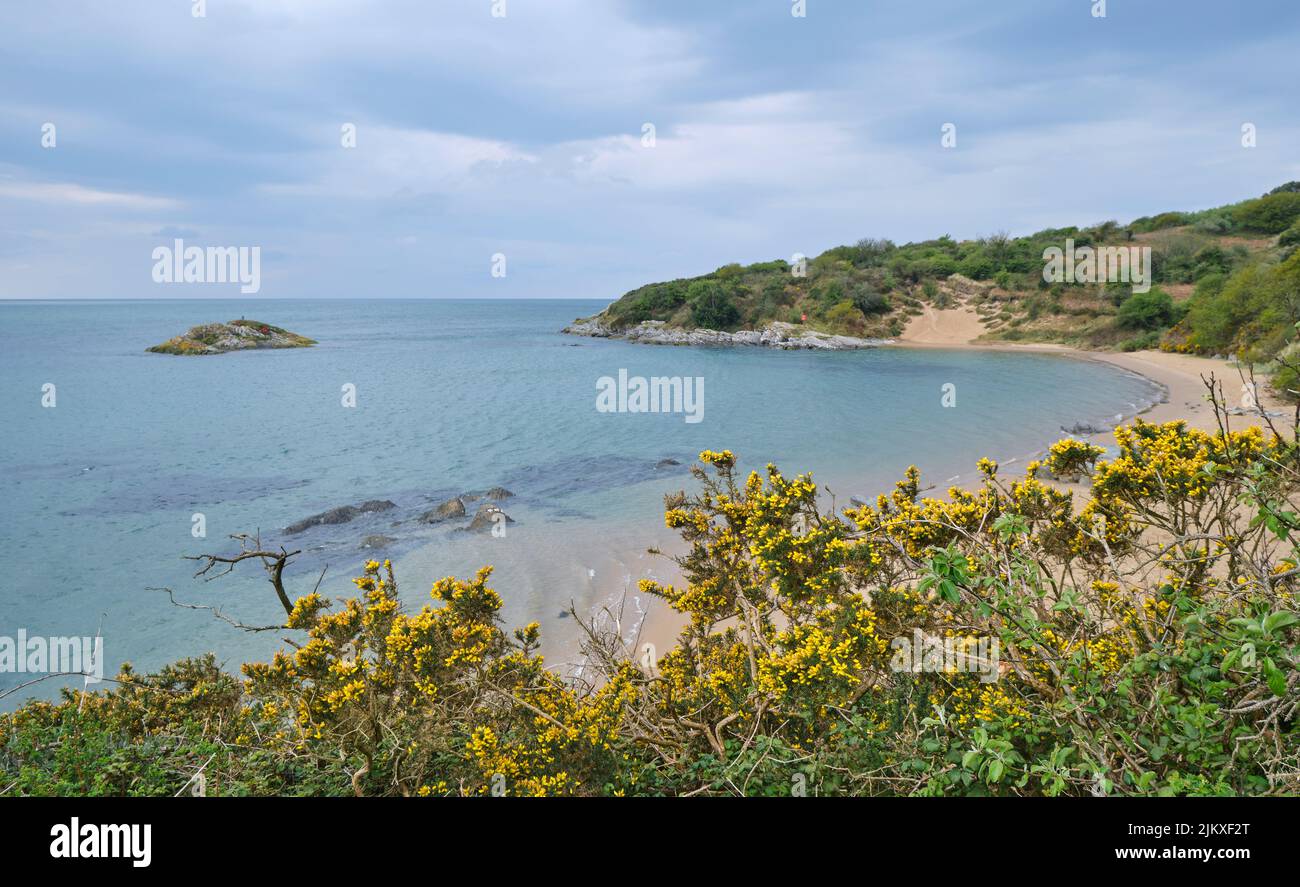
point(1083, 428)
point(486, 518)
point(373, 505)
point(377, 541)
point(452, 508)
point(666, 463)
point(340, 515)
point(496, 494)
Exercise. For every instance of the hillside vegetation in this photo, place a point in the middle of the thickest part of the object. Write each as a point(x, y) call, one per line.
point(1225, 280)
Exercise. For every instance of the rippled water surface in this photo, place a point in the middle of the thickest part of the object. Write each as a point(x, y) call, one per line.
point(97, 495)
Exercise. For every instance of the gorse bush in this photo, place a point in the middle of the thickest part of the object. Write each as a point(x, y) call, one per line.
point(1142, 641)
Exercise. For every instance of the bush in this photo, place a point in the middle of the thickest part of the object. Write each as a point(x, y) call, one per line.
point(711, 307)
point(1269, 215)
point(868, 301)
point(829, 291)
point(1254, 311)
point(1143, 342)
point(1160, 222)
point(1151, 310)
point(845, 316)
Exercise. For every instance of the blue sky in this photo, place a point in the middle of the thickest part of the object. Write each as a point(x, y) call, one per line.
point(521, 135)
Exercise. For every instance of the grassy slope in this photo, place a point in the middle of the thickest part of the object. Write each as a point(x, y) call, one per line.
point(873, 287)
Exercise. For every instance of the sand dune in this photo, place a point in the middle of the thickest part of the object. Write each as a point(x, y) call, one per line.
point(947, 326)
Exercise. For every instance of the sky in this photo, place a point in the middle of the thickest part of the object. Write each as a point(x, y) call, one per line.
point(523, 135)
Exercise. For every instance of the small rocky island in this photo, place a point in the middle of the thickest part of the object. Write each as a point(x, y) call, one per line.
point(237, 335)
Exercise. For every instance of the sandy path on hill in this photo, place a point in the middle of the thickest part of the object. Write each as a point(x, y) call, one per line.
point(947, 326)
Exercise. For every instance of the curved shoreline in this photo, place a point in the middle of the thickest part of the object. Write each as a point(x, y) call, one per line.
point(1177, 376)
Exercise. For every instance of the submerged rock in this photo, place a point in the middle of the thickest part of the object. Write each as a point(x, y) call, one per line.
point(666, 463)
point(340, 515)
point(238, 335)
point(377, 541)
point(452, 508)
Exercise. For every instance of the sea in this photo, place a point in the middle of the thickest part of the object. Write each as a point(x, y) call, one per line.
point(117, 464)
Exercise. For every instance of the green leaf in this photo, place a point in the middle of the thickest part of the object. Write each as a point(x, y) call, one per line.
point(1276, 679)
point(1280, 619)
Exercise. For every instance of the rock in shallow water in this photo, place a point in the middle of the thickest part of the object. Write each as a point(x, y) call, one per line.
point(487, 517)
point(340, 515)
point(449, 510)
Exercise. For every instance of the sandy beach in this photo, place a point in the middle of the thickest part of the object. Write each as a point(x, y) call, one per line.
point(1182, 375)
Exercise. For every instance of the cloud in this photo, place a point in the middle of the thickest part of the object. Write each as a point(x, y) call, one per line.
point(174, 231)
point(392, 162)
point(71, 193)
point(523, 134)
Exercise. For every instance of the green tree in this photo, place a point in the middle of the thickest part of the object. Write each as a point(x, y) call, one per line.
point(1147, 311)
point(711, 306)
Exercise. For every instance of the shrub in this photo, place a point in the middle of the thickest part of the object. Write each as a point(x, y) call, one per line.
point(711, 307)
point(1160, 222)
point(844, 315)
point(1272, 214)
point(1151, 310)
point(1255, 310)
point(868, 301)
point(1143, 342)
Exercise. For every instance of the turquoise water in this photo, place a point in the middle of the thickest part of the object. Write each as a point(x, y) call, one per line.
point(97, 494)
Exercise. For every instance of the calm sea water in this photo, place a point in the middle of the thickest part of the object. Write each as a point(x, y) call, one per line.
point(97, 494)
